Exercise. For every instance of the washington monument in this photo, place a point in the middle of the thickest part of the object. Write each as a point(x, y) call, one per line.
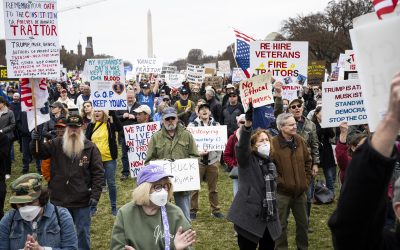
point(149, 36)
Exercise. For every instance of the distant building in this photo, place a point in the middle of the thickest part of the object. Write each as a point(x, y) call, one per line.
point(79, 49)
point(89, 47)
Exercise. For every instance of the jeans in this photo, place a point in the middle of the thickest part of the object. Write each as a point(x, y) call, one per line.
point(235, 186)
point(26, 155)
point(82, 221)
point(182, 200)
point(330, 177)
point(124, 157)
point(110, 167)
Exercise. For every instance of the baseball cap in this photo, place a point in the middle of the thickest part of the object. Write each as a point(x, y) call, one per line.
point(203, 105)
point(143, 108)
point(295, 100)
point(146, 86)
point(26, 188)
point(57, 105)
point(74, 121)
point(63, 91)
point(169, 112)
point(151, 173)
point(230, 86)
point(61, 122)
point(184, 90)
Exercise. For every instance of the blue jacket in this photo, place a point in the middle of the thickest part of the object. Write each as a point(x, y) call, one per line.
point(53, 231)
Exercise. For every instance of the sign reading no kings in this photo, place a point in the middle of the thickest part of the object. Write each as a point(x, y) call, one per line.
point(342, 102)
point(257, 90)
point(185, 172)
point(209, 138)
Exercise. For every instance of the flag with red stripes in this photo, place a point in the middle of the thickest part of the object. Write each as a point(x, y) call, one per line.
point(384, 7)
point(242, 52)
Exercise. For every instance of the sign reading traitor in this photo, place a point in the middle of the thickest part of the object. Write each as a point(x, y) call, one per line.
point(185, 171)
point(257, 90)
point(31, 33)
point(209, 138)
point(137, 139)
point(342, 101)
point(148, 66)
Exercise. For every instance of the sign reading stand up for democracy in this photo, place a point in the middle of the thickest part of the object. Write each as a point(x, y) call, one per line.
point(185, 171)
point(107, 83)
point(31, 33)
point(257, 90)
point(209, 138)
point(342, 101)
point(137, 139)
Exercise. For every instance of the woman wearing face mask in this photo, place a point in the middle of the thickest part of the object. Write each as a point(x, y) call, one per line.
point(35, 224)
point(150, 219)
point(254, 211)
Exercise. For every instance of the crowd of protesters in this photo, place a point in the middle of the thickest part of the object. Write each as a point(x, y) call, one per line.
point(273, 155)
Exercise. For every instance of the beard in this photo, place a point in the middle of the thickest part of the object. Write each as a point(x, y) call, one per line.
point(170, 127)
point(73, 143)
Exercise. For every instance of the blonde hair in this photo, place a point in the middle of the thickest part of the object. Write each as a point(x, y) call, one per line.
point(105, 117)
point(141, 194)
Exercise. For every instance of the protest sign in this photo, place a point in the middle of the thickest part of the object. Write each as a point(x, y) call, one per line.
point(137, 139)
point(224, 67)
point(107, 83)
point(209, 138)
point(195, 73)
point(237, 75)
point(257, 90)
point(31, 33)
point(4, 75)
point(375, 43)
point(287, 61)
point(148, 66)
point(169, 69)
point(174, 80)
point(185, 171)
point(210, 66)
point(215, 81)
point(316, 73)
point(209, 72)
point(350, 67)
point(289, 92)
point(342, 101)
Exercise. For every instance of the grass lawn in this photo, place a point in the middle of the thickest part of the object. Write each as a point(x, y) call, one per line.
point(211, 233)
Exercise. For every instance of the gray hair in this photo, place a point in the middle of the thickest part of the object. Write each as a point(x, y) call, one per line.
point(281, 119)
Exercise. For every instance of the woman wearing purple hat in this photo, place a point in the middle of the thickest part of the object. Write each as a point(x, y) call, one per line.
point(149, 218)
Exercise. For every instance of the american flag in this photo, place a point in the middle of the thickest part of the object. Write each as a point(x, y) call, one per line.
point(242, 52)
point(384, 7)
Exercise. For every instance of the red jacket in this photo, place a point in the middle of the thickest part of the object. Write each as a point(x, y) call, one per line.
point(229, 153)
point(342, 158)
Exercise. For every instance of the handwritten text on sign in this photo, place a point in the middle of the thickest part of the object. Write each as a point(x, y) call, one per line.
point(148, 65)
point(137, 139)
point(105, 70)
point(257, 90)
point(342, 101)
point(209, 138)
point(195, 73)
point(283, 59)
point(185, 172)
point(108, 95)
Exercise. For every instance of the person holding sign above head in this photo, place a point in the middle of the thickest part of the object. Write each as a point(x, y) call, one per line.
point(254, 208)
point(173, 142)
point(208, 167)
point(101, 131)
point(147, 95)
point(150, 221)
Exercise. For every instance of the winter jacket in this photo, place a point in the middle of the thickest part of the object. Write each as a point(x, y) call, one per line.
point(325, 135)
point(126, 121)
point(181, 110)
point(229, 114)
point(342, 158)
point(245, 211)
point(361, 210)
point(4, 153)
point(7, 123)
point(162, 146)
point(229, 153)
point(73, 181)
point(216, 109)
point(293, 165)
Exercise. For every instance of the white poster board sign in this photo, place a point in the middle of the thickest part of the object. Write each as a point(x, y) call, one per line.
point(289, 92)
point(238, 75)
point(195, 73)
point(376, 44)
point(257, 90)
point(209, 138)
point(224, 67)
point(174, 80)
point(148, 66)
point(349, 61)
point(31, 31)
point(137, 139)
point(287, 61)
point(342, 101)
point(105, 70)
point(185, 171)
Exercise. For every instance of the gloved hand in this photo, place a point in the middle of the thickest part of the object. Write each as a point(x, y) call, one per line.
point(50, 134)
point(93, 202)
point(249, 113)
point(35, 135)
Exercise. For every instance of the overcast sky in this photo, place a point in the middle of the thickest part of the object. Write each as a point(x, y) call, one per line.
point(119, 27)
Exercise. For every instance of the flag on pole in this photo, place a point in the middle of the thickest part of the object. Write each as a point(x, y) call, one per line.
point(384, 7)
point(242, 52)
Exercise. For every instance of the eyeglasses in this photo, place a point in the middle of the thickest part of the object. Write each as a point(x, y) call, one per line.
point(170, 118)
point(158, 187)
point(295, 106)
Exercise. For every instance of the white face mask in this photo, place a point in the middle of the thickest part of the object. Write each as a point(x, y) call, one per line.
point(285, 107)
point(159, 198)
point(29, 213)
point(264, 149)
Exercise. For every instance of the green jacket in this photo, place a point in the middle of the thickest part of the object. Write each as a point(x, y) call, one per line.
point(162, 146)
point(134, 228)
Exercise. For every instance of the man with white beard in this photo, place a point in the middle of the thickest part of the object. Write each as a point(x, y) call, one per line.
point(76, 175)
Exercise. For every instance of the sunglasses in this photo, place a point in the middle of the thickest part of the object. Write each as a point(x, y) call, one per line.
point(232, 95)
point(295, 106)
point(242, 122)
point(170, 118)
point(165, 99)
point(158, 187)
